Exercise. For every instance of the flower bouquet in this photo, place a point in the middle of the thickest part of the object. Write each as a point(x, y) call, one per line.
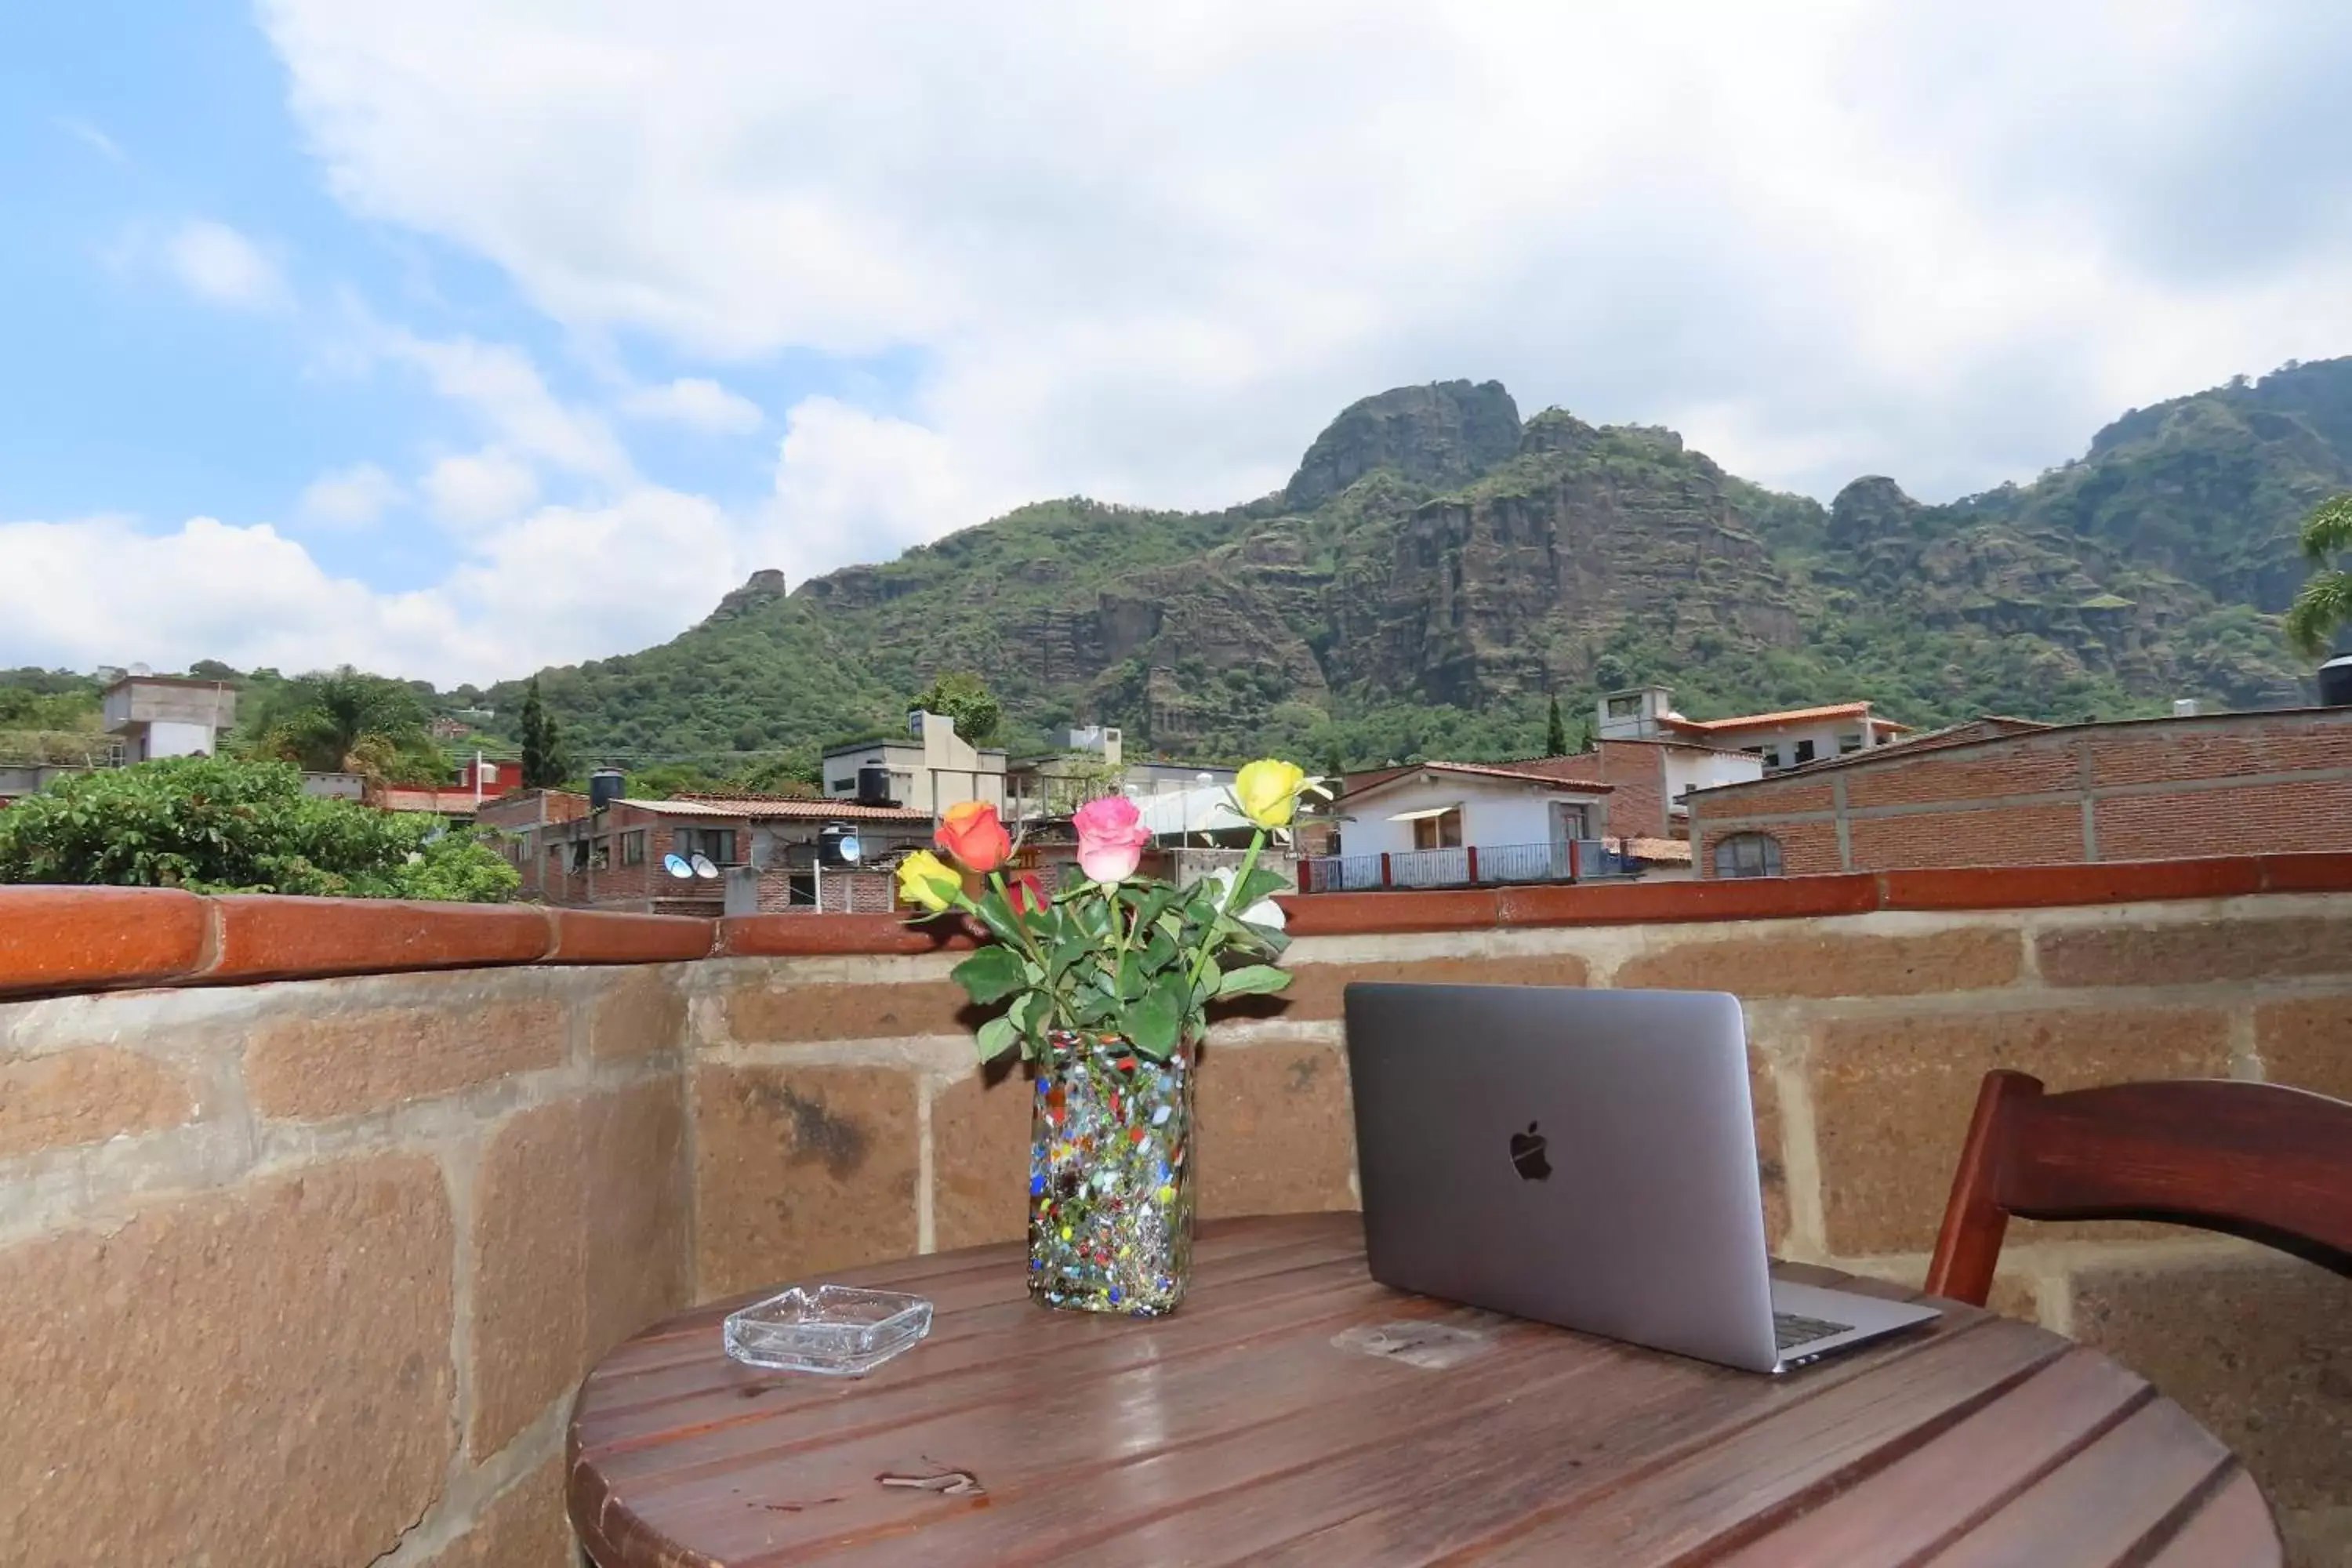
point(1105, 989)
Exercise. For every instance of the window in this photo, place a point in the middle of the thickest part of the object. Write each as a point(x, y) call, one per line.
point(845, 786)
point(1748, 855)
point(633, 847)
point(1771, 756)
point(716, 845)
point(1804, 752)
point(599, 854)
point(1847, 743)
point(579, 855)
point(1624, 707)
point(1442, 831)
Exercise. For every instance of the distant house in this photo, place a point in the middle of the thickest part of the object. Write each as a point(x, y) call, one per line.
point(167, 715)
point(1458, 824)
point(1788, 739)
point(757, 854)
point(1091, 761)
point(928, 770)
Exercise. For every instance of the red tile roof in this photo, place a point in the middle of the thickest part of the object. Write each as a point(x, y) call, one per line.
point(772, 808)
point(1519, 771)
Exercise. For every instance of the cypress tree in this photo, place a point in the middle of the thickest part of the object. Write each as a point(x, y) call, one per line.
point(543, 764)
point(1556, 731)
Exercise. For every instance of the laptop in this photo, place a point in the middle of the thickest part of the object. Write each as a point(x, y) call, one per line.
point(1584, 1158)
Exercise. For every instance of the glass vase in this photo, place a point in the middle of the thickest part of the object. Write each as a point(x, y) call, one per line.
point(1110, 1177)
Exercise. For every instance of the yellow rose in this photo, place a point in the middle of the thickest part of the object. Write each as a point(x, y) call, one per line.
point(1267, 792)
point(928, 882)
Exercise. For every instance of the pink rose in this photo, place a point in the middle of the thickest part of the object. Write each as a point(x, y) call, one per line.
point(1111, 837)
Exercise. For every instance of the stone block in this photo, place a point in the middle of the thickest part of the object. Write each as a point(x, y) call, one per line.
point(980, 1160)
point(2196, 953)
point(524, 1526)
point(1315, 989)
point(1771, 1167)
point(2259, 1349)
point(1892, 1097)
point(1823, 965)
point(639, 1013)
point(763, 1011)
point(257, 1377)
point(799, 1170)
point(1275, 1131)
point(85, 1097)
point(579, 1239)
point(307, 1063)
point(2307, 1044)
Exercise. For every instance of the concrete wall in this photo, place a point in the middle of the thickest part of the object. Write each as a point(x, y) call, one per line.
point(303, 1272)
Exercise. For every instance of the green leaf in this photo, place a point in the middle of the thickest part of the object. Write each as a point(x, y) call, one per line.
point(1256, 980)
point(1155, 1022)
point(991, 975)
point(1260, 884)
point(998, 1035)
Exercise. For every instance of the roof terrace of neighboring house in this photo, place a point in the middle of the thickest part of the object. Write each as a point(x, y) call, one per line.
point(927, 770)
point(1788, 738)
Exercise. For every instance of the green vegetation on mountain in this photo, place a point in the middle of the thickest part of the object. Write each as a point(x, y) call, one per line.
point(1438, 571)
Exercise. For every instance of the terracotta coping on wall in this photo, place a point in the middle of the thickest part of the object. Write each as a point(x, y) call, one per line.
point(60, 939)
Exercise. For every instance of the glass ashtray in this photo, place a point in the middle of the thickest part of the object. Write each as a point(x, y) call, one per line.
point(837, 1330)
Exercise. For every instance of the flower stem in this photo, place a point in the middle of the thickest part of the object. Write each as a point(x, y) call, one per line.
point(1232, 897)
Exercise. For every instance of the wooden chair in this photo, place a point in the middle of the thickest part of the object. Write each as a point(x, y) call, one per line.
point(2255, 1160)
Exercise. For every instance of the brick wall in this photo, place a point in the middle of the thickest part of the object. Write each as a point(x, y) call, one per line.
point(2168, 789)
point(192, 1167)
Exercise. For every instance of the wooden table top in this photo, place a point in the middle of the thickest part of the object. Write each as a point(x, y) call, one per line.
point(1295, 1412)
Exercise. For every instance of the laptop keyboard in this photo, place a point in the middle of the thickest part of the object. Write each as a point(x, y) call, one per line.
point(1790, 1330)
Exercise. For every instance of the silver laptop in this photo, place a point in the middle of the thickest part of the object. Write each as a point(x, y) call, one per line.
point(1585, 1157)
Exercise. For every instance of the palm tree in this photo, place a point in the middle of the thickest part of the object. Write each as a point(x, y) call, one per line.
point(342, 720)
point(2324, 605)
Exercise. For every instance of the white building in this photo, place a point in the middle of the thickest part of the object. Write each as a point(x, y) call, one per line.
point(1785, 740)
point(933, 769)
point(1428, 822)
point(168, 716)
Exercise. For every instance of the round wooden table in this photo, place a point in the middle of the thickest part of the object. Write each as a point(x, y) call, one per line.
point(1295, 1411)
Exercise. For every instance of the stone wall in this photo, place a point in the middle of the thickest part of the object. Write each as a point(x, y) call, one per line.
point(304, 1271)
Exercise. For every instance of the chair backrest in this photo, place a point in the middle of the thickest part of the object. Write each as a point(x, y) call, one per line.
point(2256, 1159)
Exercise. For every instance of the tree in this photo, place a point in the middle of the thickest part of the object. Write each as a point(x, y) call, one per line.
point(1555, 732)
point(962, 697)
point(544, 764)
point(213, 825)
point(345, 720)
point(2324, 605)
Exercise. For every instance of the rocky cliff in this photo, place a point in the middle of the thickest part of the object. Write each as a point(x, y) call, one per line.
point(1435, 568)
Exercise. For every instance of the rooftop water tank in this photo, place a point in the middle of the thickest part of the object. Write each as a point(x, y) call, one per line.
point(605, 786)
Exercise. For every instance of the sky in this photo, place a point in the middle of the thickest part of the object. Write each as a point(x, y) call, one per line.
point(453, 337)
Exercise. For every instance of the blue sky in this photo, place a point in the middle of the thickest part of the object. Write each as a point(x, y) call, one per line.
point(461, 336)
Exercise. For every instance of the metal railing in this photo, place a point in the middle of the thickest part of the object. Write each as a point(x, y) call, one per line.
point(1472, 866)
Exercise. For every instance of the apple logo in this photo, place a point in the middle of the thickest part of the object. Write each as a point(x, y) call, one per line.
point(1527, 1155)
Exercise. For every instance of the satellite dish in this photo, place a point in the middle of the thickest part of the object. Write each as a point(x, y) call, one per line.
point(677, 867)
point(848, 846)
point(703, 868)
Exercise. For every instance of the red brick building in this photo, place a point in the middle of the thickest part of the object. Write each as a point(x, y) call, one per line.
point(2005, 791)
point(763, 851)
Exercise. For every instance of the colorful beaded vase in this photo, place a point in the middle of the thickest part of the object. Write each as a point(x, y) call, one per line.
point(1110, 1177)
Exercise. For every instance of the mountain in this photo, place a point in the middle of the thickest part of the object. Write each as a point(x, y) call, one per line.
point(1438, 567)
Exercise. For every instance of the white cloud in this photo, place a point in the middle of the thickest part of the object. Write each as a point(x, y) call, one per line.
point(91, 136)
point(696, 401)
point(217, 263)
point(349, 498)
point(503, 389)
point(1148, 254)
point(485, 487)
point(562, 584)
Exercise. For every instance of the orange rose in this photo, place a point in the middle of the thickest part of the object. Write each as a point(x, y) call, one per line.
point(971, 832)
